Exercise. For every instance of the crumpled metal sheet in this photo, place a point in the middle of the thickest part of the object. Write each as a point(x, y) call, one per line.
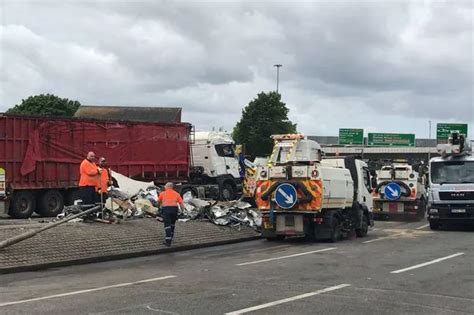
point(117, 193)
point(234, 213)
point(145, 206)
point(142, 200)
point(130, 186)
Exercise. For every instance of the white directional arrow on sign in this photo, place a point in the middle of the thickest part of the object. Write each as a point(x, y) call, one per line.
point(289, 199)
point(394, 192)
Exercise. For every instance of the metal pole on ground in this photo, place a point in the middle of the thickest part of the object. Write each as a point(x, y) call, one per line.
point(29, 234)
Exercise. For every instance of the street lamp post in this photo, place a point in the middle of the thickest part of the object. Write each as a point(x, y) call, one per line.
point(278, 74)
point(429, 135)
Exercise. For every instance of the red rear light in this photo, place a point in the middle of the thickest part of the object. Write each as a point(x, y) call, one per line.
point(318, 220)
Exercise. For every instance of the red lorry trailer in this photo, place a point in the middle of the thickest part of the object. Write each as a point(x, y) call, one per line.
point(40, 157)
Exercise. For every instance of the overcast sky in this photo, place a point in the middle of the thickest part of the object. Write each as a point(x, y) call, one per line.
point(385, 66)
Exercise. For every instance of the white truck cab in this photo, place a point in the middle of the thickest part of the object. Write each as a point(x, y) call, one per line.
point(361, 177)
point(451, 184)
point(213, 154)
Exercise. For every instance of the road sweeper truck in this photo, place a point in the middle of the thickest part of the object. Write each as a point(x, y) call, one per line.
point(400, 192)
point(301, 194)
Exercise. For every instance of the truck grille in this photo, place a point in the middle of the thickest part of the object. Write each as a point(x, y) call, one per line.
point(456, 195)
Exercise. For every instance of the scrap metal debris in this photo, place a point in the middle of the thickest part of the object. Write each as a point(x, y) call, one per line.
point(234, 213)
point(136, 199)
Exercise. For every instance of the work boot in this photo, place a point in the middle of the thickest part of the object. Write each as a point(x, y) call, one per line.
point(167, 244)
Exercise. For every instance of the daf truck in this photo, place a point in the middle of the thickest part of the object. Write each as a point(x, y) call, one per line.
point(214, 163)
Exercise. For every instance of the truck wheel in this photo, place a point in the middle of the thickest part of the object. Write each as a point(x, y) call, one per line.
point(227, 192)
point(362, 232)
point(51, 203)
point(336, 231)
point(23, 205)
point(71, 196)
point(434, 225)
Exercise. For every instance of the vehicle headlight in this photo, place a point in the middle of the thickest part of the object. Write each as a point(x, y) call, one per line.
point(433, 210)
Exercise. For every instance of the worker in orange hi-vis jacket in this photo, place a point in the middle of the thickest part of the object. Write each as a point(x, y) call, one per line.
point(90, 175)
point(104, 182)
point(169, 200)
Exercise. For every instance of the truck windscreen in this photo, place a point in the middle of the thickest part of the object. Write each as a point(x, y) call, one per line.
point(452, 172)
point(225, 150)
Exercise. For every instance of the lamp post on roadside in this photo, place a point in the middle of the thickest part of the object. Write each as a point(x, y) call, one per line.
point(429, 135)
point(278, 74)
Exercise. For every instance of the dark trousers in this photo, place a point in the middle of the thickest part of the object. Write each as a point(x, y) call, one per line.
point(102, 198)
point(87, 194)
point(170, 215)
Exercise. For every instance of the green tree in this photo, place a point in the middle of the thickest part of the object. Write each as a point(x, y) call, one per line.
point(47, 105)
point(264, 116)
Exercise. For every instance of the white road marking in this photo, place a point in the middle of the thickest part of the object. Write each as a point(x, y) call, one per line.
point(284, 257)
point(86, 291)
point(427, 263)
point(290, 299)
point(382, 238)
point(160, 311)
point(422, 227)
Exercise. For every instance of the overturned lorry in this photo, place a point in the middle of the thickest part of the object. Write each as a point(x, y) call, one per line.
point(40, 157)
point(301, 194)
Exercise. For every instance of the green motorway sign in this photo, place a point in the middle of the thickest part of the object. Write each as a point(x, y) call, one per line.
point(391, 139)
point(349, 136)
point(444, 130)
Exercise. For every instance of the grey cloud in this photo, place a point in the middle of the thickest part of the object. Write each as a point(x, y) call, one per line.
point(393, 60)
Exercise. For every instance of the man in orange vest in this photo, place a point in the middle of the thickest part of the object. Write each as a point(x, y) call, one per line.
point(88, 180)
point(104, 181)
point(169, 200)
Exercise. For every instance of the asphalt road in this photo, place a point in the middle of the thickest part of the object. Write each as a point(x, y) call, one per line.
point(400, 268)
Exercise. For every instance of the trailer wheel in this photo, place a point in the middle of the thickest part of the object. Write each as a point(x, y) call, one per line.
point(23, 205)
point(227, 192)
point(362, 232)
point(336, 230)
point(71, 196)
point(51, 203)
